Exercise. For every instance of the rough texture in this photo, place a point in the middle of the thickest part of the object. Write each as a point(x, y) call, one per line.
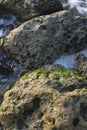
point(27, 9)
point(46, 100)
point(81, 61)
point(42, 40)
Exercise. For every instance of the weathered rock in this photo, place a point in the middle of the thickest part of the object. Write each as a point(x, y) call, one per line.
point(34, 103)
point(81, 61)
point(80, 58)
point(50, 7)
point(27, 9)
point(42, 40)
point(82, 68)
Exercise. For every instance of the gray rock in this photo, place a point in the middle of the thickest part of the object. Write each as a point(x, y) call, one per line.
point(42, 40)
point(27, 9)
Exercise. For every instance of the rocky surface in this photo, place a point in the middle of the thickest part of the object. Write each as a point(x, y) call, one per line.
point(42, 40)
point(47, 99)
point(81, 61)
point(28, 9)
point(51, 97)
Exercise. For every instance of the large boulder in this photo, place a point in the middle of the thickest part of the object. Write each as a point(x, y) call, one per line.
point(27, 9)
point(42, 40)
point(46, 100)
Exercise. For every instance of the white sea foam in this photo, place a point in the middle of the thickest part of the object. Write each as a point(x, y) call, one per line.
point(80, 5)
point(68, 61)
point(6, 20)
point(4, 80)
point(2, 33)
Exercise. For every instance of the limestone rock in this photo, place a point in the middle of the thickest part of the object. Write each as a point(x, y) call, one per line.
point(42, 40)
point(34, 103)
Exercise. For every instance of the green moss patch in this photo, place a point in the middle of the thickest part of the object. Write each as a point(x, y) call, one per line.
point(57, 74)
point(37, 72)
point(67, 74)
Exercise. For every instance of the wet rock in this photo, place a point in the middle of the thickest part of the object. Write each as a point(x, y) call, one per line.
point(82, 68)
point(2, 10)
point(81, 61)
point(34, 103)
point(50, 7)
point(57, 34)
point(79, 58)
point(32, 8)
point(5, 69)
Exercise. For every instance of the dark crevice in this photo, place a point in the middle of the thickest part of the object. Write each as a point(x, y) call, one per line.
point(83, 110)
point(20, 124)
point(28, 111)
point(75, 122)
point(36, 103)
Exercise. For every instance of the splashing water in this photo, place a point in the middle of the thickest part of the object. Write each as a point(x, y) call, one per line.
point(6, 20)
point(68, 61)
point(79, 7)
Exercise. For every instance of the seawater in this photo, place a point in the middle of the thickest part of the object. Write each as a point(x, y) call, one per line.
point(6, 21)
point(79, 5)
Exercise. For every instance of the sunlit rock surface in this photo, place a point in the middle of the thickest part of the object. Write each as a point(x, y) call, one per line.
point(46, 99)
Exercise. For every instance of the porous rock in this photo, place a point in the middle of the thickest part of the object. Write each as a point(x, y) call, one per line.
point(34, 102)
point(41, 41)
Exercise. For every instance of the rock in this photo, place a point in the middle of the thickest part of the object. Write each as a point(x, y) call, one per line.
point(81, 62)
point(80, 58)
point(46, 102)
point(2, 10)
point(82, 68)
point(42, 40)
point(50, 7)
point(27, 9)
point(5, 69)
point(82, 65)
